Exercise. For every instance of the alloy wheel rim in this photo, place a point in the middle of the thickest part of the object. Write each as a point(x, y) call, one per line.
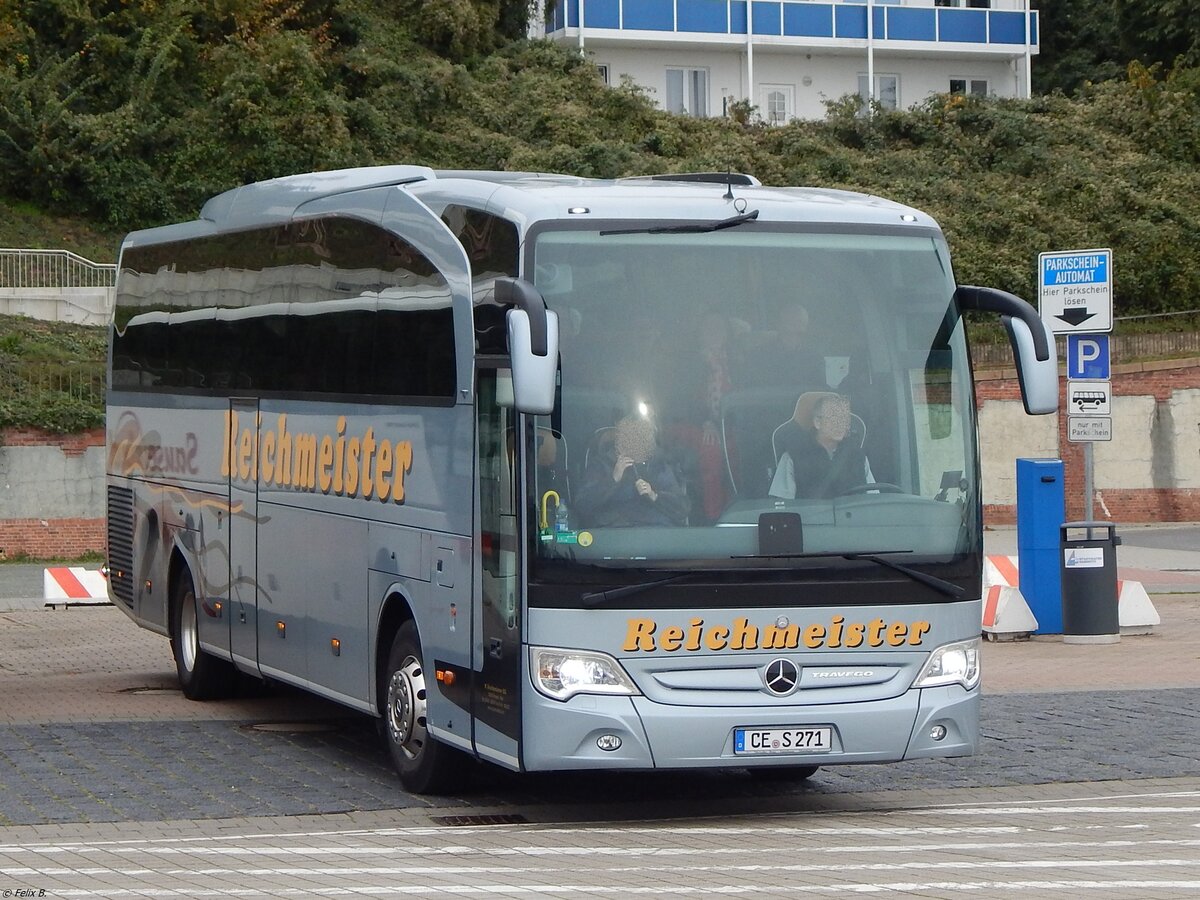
point(189, 639)
point(406, 708)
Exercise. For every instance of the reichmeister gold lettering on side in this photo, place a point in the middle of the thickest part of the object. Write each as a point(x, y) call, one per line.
point(349, 465)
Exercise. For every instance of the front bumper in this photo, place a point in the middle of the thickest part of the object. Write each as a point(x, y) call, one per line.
point(657, 735)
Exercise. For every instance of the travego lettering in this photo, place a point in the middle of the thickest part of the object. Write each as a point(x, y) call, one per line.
point(346, 465)
point(644, 635)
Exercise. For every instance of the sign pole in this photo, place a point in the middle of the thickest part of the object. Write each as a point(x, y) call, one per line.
point(1088, 485)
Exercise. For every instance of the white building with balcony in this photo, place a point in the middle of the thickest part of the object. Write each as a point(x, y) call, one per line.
point(697, 56)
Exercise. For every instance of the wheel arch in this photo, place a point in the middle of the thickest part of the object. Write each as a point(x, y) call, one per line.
point(177, 566)
point(397, 609)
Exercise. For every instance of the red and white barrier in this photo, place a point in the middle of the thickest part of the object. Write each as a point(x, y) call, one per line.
point(74, 586)
point(1135, 612)
point(1006, 615)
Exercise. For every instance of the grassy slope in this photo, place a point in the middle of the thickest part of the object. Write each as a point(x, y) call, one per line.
point(24, 226)
point(51, 374)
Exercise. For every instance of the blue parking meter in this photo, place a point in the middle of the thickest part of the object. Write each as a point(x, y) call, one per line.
point(1040, 512)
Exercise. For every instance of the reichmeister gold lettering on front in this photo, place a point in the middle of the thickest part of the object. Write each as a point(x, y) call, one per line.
point(644, 635)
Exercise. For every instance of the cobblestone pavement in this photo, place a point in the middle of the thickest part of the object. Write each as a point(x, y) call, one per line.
point(153, 770)
point(93, 730)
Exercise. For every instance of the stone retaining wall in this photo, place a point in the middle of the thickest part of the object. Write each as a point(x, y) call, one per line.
point(1149, 472)
point(51, 493)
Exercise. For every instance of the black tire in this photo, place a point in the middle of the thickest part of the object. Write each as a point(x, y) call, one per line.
point(783, 773)
point(201, 675)
point(424, 764)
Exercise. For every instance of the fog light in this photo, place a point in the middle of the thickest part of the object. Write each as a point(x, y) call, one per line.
point(937, 732)
point(608, 742)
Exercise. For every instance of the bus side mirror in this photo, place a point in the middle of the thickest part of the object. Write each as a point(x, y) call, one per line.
point(532, 345)
point(1032, 343)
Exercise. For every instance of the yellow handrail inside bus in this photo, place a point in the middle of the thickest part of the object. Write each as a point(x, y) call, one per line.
point(545, 512)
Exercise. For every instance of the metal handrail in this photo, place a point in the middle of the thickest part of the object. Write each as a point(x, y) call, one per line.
point(53, 269)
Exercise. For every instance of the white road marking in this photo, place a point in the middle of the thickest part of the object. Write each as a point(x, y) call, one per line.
point(586, 890)
point(457, 850)
point(660, 857)
point(351, 871)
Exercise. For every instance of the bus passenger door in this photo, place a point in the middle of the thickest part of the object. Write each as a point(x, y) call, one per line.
point(243, 533)
point(496, 689)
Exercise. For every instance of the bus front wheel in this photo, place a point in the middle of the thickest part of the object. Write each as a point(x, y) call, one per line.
point(201, 675)
point(425, 765)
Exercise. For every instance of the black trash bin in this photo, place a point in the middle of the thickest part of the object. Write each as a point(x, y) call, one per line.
point(1088, 568)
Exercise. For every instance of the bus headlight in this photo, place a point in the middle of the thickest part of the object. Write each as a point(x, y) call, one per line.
point(956, 663)
point(561, 674)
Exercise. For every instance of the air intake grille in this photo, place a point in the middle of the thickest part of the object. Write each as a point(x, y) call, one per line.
point(120, 543)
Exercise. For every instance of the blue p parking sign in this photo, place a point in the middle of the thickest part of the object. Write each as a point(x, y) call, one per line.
point(1087, 357)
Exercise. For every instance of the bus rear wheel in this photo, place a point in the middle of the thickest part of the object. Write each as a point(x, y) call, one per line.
point(201, 675)
point(425, 765)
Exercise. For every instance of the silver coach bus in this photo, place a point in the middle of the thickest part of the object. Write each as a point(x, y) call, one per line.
point(560, 473)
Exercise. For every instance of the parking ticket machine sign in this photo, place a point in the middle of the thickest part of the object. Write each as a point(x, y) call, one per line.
point(1075, 290)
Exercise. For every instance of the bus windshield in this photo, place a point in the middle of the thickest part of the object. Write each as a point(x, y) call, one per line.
point(754, 396)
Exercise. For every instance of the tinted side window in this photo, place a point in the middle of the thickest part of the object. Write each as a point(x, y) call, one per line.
point(321, 306)
point(493, 246)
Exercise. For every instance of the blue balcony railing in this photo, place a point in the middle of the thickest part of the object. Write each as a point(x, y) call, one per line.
point(802, 19)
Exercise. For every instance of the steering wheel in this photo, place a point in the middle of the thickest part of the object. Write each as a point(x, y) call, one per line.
point(883, 487)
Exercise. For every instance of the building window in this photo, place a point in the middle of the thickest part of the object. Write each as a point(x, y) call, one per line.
point(976, 87)
point(887, 90)
point(970, 4)
point(687, 92)
point(603, 71)
point(777, 103)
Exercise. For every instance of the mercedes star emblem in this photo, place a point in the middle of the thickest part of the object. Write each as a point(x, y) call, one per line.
point(781, 676)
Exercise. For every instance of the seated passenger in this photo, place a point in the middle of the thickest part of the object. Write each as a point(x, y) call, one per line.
point(817, 459)
point(628, 482)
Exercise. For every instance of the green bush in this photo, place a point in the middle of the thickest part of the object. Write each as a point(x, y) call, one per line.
point(133, 114)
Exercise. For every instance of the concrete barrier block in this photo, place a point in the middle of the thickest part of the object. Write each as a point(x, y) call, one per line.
point(74, 586)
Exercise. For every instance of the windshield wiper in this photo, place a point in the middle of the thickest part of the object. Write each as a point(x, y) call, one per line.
point(691, 227)
point(599, 597)
point(938, 584)
point(877, 556)
point(595, 598)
